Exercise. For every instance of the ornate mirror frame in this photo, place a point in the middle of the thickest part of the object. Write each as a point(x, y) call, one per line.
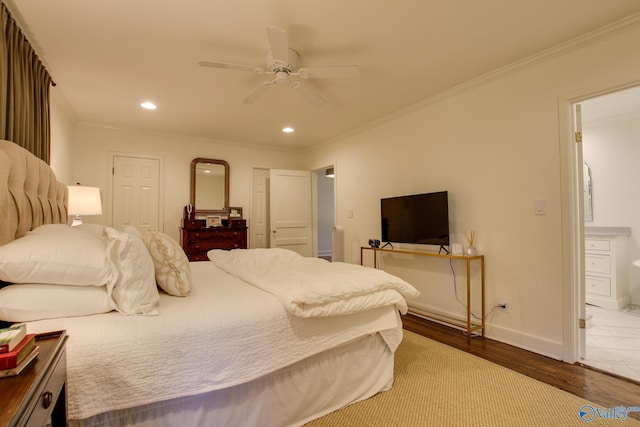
point(199, 211)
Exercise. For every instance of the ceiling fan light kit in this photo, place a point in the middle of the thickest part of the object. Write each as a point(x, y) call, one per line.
point(282, 62)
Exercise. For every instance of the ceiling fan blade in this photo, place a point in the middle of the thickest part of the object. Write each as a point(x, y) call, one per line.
point(225, 65)
point(261, 90)
point(339, 71)
point(279, 44)
point(315, 99)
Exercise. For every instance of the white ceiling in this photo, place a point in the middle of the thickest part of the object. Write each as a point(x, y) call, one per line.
point(617, 104)
point(109, 56)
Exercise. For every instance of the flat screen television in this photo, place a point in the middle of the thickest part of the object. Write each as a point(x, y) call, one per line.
point(418, 219)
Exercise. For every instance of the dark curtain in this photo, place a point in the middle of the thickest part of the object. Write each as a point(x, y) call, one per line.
point(24, 91)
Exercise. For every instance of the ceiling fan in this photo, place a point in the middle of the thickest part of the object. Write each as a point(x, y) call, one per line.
point(282, 64)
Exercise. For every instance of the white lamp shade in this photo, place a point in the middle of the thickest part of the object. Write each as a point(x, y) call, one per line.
point(84, 200)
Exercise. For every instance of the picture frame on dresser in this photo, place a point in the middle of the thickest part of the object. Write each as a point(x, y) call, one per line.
point(214, 221)
point(235, 212)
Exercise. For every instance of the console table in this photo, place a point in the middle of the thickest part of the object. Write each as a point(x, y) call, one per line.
point(469, 326)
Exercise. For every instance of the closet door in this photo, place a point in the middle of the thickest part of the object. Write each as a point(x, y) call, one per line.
point(136, 193)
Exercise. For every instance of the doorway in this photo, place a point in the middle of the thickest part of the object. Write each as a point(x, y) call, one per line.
point(325, 211)
point(605, 336)
point(610, 149)
point(322, 188)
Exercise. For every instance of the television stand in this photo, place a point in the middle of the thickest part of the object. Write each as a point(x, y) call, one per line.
point(469, 327)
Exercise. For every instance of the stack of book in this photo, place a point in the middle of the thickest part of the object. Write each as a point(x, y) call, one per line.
point(17, 350)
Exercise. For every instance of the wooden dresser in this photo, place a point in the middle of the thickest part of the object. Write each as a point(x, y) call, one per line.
point(197, 239)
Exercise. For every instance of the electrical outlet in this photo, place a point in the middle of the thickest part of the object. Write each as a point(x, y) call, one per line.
point(503, 301)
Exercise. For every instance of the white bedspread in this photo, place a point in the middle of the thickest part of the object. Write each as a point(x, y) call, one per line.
point(313, 287)
point(225, 333)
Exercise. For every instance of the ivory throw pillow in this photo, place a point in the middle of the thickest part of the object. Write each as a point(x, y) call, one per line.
point(133, 287)
point(173, 272)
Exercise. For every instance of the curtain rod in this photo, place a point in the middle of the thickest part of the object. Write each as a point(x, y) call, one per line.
point(24, 36)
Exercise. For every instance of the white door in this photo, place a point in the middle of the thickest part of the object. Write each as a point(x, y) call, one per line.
point(259, 222)
point(290, 210)
point(136, 193)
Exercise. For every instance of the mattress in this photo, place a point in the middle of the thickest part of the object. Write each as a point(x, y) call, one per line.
point(226, 333)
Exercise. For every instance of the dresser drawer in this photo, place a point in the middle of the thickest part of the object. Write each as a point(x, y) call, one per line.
point(197, 242)
point(598, 286)
point(207, 235)
point(596, 245)
point(204, 235)
point(201, 256)
point(597, 263)
point(216, 244)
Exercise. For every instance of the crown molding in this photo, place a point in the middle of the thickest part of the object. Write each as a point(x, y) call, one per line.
point(623, 25)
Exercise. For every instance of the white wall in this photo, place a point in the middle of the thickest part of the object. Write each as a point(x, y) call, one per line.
point(63, 123)
point(611, 148)
point(93, 145)
point(494, 146)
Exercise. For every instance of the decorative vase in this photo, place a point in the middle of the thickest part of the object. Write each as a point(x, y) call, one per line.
point(471, 251)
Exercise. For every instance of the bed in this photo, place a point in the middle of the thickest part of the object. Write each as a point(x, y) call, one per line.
point(210, 342)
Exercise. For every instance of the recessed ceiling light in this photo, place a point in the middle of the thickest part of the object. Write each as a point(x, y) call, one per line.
point(148, 105)
point(287, 129)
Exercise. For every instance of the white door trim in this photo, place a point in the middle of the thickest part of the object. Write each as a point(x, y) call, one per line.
point(112, 156)
point(573, 209)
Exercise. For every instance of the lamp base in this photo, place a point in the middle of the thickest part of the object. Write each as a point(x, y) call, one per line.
point(76, 221)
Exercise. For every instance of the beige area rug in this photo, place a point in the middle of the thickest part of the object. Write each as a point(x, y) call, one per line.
point(437, 385)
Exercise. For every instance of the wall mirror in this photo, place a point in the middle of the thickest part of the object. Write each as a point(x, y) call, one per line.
point(588, 193)
point(209, 186)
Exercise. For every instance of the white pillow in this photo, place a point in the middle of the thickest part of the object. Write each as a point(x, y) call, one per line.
point(133, 287)
point(173, 272)
point(56, 254)
point(27, 302)
point(132, 230)
point(95, 229)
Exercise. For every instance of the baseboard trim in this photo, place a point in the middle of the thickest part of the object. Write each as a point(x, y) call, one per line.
point(535, 344)
point(525, 341)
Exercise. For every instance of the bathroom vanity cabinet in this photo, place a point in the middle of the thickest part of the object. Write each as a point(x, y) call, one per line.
point(607, 266)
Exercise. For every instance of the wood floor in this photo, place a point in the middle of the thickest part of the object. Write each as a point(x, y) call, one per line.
point(598, 387)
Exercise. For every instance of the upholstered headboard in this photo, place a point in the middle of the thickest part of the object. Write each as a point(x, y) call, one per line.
point(30, 194)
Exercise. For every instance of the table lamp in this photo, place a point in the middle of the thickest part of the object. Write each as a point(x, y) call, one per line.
point(83, 201)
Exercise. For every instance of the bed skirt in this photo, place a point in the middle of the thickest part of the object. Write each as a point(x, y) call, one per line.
point(291, 396)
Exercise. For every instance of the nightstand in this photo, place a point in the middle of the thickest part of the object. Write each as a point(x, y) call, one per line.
point(38, 396)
